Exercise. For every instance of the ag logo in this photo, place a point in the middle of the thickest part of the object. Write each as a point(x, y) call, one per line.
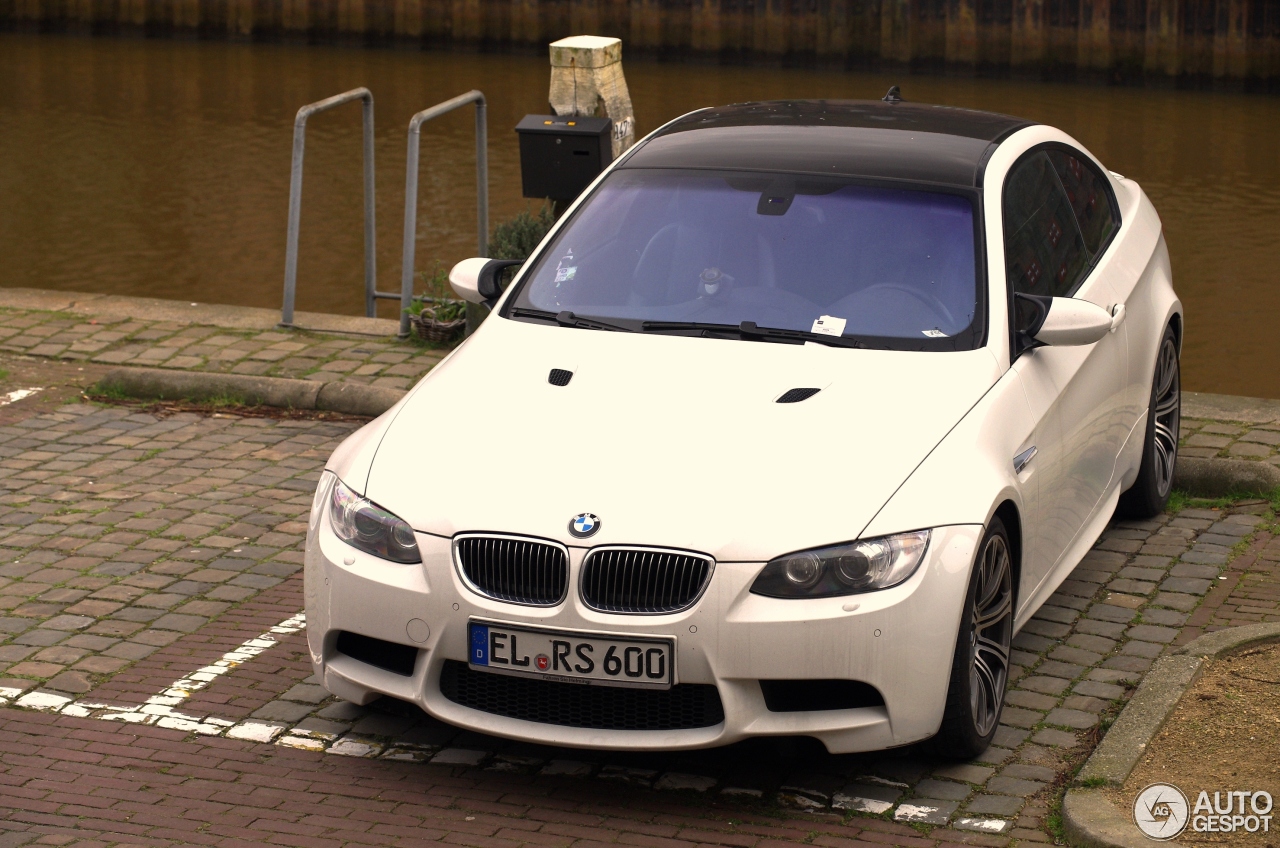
point(1161, 811)
point(583, 524)
point(543, 661)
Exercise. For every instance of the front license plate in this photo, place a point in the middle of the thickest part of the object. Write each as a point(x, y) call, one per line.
point(589, 658)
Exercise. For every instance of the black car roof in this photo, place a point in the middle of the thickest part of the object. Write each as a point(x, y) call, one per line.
point(864, 138)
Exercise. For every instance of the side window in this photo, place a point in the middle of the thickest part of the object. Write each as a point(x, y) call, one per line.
point(1043, 250)
point(1090, 198)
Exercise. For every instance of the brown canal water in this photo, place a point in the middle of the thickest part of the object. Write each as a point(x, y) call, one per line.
point(161, 168)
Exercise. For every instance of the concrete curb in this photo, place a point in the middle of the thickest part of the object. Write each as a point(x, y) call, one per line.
point(188, 312)
point(1248, 410)
point(334, 396)
point(1089, 819)
point(1217, 478)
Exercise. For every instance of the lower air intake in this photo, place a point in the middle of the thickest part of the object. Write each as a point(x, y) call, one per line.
point(387, 656)
point(684, 706)
point(805, 696)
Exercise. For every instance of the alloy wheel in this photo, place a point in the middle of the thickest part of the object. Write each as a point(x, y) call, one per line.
point(1168, 415)
point(992, 634)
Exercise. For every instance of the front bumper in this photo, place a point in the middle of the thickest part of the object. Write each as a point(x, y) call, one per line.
point(900, 640)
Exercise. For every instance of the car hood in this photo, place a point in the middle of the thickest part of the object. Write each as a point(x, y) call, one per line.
point(670, 441)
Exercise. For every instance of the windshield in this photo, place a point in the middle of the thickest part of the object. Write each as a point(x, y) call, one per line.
point(813, 254)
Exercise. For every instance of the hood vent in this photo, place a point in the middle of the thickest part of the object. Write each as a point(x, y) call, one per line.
point(797, 395)
point(559, 377)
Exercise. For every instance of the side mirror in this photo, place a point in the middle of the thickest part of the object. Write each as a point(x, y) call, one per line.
point(476, 280)
point(1059, 321)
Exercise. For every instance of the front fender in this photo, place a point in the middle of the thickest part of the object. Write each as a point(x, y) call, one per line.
point(970, 472)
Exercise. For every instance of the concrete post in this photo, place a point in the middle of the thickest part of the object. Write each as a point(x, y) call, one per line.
point(587, 80)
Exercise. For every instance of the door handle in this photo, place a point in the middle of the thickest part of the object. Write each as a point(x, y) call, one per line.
point(1117, 316)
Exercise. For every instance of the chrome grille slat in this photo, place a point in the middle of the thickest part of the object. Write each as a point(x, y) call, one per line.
point(643, 581)
point(519, 571)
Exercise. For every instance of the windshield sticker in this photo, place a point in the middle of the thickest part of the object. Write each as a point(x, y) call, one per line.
point(566, 274)
point(935, 333)
point(829, 325)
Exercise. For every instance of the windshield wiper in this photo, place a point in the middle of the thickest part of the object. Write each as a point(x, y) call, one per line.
point(749, 330)
point(567, 319)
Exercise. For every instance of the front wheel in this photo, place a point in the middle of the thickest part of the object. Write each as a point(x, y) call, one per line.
point(1150, 492)
point(980, 668)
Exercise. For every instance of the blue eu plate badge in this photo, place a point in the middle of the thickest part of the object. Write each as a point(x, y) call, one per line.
point(479, 644)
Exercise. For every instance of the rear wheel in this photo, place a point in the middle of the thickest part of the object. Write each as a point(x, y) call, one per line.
point(1150, 492)
point(980, 668)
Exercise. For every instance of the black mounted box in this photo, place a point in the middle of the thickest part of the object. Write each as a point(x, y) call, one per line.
point(560, 156)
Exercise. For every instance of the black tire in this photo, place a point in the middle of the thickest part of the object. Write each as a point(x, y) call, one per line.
point(1150, 492)
point(980, 667)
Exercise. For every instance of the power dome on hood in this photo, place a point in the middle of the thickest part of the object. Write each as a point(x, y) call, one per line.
point(672, 441)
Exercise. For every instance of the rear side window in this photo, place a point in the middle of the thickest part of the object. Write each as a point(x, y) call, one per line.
point(1058, 216)
point(1089, 196)
point(1045, 253)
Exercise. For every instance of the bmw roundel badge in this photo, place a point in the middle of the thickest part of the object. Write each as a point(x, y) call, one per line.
point(583, 524)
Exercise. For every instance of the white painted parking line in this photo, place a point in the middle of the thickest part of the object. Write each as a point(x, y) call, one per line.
point(18, 394)
point(160, 709)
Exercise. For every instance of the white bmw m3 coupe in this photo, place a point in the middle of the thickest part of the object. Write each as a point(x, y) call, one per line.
point(793, 420)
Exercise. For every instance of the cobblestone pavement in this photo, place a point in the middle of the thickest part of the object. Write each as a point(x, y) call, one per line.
point(155, 689)
point(192, 347)
point(1231, 440)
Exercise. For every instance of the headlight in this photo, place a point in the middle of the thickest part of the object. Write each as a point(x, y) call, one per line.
point(367, 526)
point(847, 569)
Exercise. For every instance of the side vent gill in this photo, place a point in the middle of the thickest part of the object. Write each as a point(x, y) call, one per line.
point(797, 395)
point(559, 377)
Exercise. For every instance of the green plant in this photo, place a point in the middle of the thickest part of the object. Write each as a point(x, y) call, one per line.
point(437, 299)
point(4, 374)
point(1179, 500)
point(517, 237)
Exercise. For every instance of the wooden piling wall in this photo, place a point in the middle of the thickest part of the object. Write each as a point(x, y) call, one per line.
point(1236, 41)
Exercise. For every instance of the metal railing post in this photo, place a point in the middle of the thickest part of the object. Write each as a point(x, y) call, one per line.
point(411, 190)
point(295, 200)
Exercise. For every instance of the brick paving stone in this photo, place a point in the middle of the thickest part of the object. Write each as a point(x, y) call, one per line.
point(1067, 671)
point(1152, 633)
point(943, 790)
point(1186, 585)
point(1004, 785)
point(1029, 772)
point(1108, 629)
point(1107, 612)
point(1131, 664)
point(997, 805)
point(1071, 718)
point(966, 772)
point(1009, 737)
point(1176, 600)
point(1030, 700)
point(1164, 616)
point(1055, 738)
point(1098, 689)
point(1045, 684)
point(1018, 717)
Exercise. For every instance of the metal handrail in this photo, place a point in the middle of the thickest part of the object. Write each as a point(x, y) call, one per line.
point(411, 190)
point(295, 202)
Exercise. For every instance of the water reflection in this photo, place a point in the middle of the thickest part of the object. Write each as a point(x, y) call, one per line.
point(161, 168)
